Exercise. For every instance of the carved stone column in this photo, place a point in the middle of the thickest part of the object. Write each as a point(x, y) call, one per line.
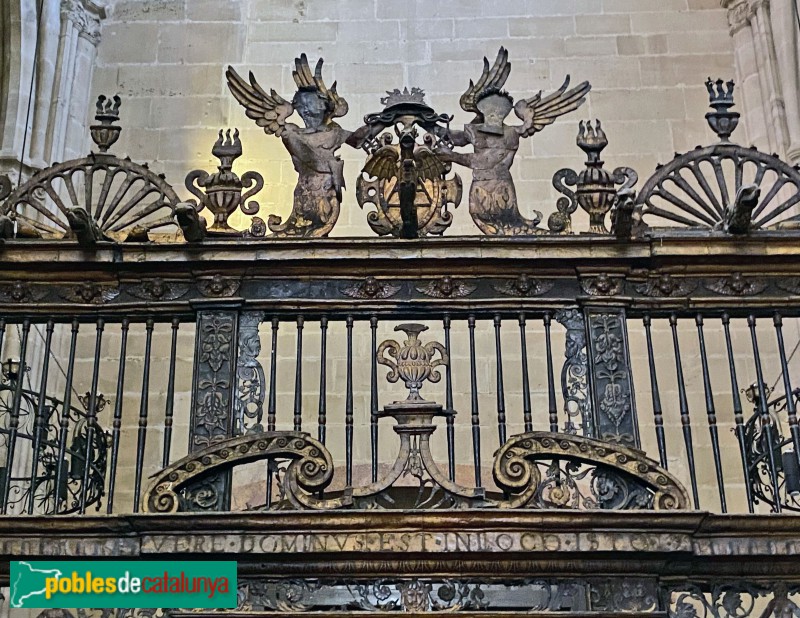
point(767, 45)
point(610, 379)
point(212, 411)
point(63, 40)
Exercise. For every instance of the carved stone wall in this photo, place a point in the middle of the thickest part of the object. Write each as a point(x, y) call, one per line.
point(45, 80)
point(766, 35)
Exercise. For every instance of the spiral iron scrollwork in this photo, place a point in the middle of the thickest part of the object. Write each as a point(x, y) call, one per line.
point(549, 470)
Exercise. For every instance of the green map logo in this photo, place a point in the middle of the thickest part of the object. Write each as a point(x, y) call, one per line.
point(123, 584)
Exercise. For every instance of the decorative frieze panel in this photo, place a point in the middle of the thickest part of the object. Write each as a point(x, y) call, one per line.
point(610, 377)
point(212, 416)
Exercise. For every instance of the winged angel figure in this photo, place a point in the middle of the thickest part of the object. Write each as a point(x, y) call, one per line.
point(320, 182)
point(492, 198)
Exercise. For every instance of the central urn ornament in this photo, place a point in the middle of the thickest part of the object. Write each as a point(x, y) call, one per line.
point(412, 362)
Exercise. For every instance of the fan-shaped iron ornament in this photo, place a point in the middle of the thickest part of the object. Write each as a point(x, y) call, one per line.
point(725, 186)
point(100, 197)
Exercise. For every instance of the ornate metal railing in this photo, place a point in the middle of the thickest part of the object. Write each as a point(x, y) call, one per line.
point(96, 241)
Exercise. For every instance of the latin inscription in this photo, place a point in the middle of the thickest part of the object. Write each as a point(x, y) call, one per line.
point(425, 542)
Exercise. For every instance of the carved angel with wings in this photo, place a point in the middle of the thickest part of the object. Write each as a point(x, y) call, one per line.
point(320, 170)
point(492, 198)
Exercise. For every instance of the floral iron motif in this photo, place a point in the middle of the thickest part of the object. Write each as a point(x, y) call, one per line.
point(221, 192)
point(412, 362)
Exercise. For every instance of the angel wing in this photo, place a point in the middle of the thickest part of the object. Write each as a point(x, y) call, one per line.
point(304, 79)
point(492, 80)
point(383, 164)
point(270, 111)
point(537, 112)
point(429, 166)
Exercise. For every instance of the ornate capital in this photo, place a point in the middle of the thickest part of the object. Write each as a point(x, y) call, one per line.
point(86, 16)
point(739, 14)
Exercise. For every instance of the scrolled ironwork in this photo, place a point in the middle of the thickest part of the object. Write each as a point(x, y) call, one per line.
point(221, 192)
point(59, 482)
point(310, 470)
point(582, 473)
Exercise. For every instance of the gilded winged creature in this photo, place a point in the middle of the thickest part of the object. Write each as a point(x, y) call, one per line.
point(318, 194)
point(492, 198)
point(410, 165)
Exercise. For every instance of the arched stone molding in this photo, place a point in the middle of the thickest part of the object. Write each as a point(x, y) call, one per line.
point(56, 50)
point(766, 36)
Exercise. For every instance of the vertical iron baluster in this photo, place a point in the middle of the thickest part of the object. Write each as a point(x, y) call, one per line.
point(526, 385)
point(476, 427)
point(271, 406)
point(13, 422)
point(348, 406)
point(551, 387)
point(143, 411)
point(684, 408)
point(2, 333)
point(117, 424)
point(323, 379)
point(501, 395)
point(658, 417)
point(373, 396)
point(448, 378)
point(764, 413)
point(40, 422)
point(737, 410)
point(61, 462)
point(791, 407)
point(711, 413)
point(273, 368)
point(91, 414)
point(168, 413)
point(298, 377)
